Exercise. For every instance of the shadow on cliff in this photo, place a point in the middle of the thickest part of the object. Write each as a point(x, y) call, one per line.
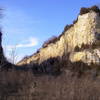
point(74, 81)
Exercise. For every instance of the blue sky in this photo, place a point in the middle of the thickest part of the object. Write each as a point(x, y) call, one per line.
point(28, 23)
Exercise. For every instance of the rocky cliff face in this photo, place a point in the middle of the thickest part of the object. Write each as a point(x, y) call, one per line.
point(78, 43)
point(81, 41)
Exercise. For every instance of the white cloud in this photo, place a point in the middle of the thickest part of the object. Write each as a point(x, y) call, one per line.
point(32, 41)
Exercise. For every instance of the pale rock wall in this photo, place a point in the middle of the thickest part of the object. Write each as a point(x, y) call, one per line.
point(86, 56)
point(90, 55)
point(83, 32)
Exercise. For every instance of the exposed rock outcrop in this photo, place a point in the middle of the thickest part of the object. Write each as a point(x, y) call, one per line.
point(77, 47)
point(81, 40)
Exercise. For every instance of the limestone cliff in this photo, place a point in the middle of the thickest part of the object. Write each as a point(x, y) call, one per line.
point(81, 40)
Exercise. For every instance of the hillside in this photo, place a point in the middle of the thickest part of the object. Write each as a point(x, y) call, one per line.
point(65, 68)
point(80, 40)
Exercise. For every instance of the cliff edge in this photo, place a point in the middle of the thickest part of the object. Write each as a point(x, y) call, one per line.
point(78, 42)
point(57, 70)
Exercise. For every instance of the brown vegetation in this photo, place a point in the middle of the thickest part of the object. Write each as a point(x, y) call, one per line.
point(83, 10)
point(26, 85)
point(49, 41)
point(83, 47)
point(86, 10)
point(54, 79)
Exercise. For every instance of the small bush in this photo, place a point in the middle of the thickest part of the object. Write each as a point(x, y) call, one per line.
point(53, 39)
point(77, 49)
point(75, 21)
point(86, 10)
point(67, 27)
point(95, 8)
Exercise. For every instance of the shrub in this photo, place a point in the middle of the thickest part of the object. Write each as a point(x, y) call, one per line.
point(86, 10)
point(77, 49)
point(95, 8)
point(75, 21)
point(53, 39)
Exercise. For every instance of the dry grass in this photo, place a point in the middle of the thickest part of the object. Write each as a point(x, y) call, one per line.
point(21, 85)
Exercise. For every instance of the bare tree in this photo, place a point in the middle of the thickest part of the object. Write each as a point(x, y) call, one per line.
point(13, 55)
